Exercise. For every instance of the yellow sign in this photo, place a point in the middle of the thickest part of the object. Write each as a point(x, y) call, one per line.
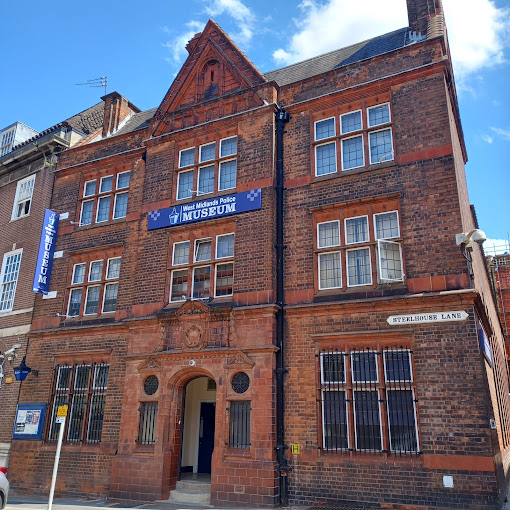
point(61, 411)
point(295, 448)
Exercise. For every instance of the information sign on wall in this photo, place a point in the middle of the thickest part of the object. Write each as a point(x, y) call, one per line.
point(29, 423)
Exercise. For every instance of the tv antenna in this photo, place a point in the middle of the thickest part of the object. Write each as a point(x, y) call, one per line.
point(96, 82)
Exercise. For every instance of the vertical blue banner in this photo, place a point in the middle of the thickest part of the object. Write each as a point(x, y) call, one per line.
point(46, 250)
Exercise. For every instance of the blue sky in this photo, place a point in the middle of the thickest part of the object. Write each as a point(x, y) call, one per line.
point(140, 47)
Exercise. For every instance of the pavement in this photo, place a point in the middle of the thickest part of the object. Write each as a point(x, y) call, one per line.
point(20, 502)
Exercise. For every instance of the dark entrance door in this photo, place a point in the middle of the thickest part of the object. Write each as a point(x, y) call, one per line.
point(206, 440)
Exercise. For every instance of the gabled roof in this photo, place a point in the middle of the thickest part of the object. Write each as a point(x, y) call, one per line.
point(341, 57)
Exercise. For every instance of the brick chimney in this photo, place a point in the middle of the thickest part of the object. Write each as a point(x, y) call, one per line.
point(420, 11)
point(193, 42)
point(116, 109)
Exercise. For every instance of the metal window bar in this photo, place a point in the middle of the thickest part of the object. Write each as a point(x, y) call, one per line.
point(240, 423)
point(147, 423)
point(377, 389)
point(97, 402)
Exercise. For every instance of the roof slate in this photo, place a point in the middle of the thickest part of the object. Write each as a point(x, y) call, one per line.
point(338, 58)
point(136, 122)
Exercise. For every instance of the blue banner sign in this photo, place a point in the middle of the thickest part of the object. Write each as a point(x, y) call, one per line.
point(206, 210)
point(46, 250)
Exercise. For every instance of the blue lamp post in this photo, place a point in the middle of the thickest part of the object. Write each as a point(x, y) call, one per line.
point(21, 371)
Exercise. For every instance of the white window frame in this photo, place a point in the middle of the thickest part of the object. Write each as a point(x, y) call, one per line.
point(171, 285)
point(204, 239)
point(69, 301)
point(2, 274)
point(101, 185)
point(108, 266)
point(323, 391)
point(74, 273)
point(81, 212)
point(315, 129)
point(219, 172)
point(215, 275)
point(375, 224)
point(367, 240)
point(415, 420)
point(115, 204)
point(199, 192)
point(180, 157)
point(370, 266)
point(200, 160)
point(85, 187)
point(377, 106)
point(221, 143)
point(331, 141)
point(212, 273)
point(216, 247)
point(86, 299)
point(90, 270)
point(349, 113)
point(111, 282)
point(103, 197)
point(319, 270)
point(326, 354)
point(408, 351)
point(392, 153)
point(117, 183)
point(318, 237)
point(380, 419)
point(179, 178)
point(379, 262)
point(374, 352)
point(173, 253)
point(16, 197)
point(362, 150)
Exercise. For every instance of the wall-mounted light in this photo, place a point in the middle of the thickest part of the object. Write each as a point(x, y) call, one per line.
point(466, 238)
point(22, 370)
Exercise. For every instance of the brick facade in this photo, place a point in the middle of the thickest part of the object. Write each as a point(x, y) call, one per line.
point(415, 182)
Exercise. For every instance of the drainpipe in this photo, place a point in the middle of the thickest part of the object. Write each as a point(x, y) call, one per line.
point(282, 117)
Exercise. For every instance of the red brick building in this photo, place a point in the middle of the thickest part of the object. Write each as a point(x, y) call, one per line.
point(271, 260)
point(27, 164)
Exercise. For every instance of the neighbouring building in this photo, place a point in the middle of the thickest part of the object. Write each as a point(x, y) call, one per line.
point(27, 165)
point(261, 298)
point(499, 268)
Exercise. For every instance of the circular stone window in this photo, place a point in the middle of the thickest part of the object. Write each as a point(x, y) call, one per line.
point(151, 384)
point(240, 382)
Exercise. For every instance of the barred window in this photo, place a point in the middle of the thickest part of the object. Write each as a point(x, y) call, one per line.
point(83, 389)
point(240, 423)
point(147, 422)
point(368, 400)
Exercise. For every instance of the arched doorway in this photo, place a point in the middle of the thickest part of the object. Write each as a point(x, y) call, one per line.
point(199, 418)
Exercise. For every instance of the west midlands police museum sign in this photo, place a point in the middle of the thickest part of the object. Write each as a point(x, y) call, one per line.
point(206, 210)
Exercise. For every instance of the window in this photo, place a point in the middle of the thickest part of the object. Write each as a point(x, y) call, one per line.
point(353, 139)
point(368, 248)
point(94, 286)
point(207, 276)
point(147, 422)
point(104, 198)
point(368, 401)
point(23, 198)
point(8, 279)
point(83, 389)
point(215, 170)
point(7, 141)
point(239, 429)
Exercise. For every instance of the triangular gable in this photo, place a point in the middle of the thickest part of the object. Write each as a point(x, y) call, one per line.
point(192, 308)
point(214, 67)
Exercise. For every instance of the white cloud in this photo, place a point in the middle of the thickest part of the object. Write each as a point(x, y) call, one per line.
point(239, 12)
point(487, 138)
point(177, 46)
point(478, 31)
point(503, 133)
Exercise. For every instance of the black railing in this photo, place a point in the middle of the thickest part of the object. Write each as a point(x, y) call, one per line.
point(82, 388)
point(240, 423)
point(147, 422)
point(367, 401)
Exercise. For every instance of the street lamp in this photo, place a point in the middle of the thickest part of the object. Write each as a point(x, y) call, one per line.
point(22, 370)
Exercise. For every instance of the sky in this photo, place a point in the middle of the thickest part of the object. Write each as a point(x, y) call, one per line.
point(140, 48)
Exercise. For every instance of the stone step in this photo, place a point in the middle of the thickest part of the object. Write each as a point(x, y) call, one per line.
point(194, 485)
point(190, 496)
